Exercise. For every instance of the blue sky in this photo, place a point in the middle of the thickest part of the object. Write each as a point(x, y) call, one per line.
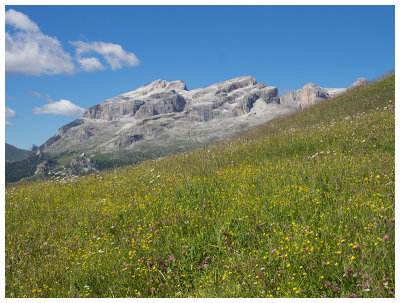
point(61, 60)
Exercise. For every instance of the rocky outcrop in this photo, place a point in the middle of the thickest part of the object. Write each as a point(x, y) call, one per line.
point(359, 82)
point(33, 148)
point(128, 140)
point(230, 98)
point(46, 166)
point(62, 130)
point(308, 95)
point(50, 142)
point(111, 111)
point(267, 94)
point(81, 165)
point(161, 103)
point(155, 98)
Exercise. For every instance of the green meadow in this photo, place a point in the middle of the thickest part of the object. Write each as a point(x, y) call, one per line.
point(302, 206)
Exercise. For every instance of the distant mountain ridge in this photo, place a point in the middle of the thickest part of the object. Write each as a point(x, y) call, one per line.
point(311, 94)
point(157, 119)
point(165, 116)
point(14, 154)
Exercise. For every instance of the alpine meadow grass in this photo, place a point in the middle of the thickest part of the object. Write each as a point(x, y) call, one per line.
point(302, 206)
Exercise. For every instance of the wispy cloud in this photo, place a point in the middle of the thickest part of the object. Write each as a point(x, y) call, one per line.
point(46, 97)
point(31, 52)
point(10, 98)
point(9, 115)
point(112, 53)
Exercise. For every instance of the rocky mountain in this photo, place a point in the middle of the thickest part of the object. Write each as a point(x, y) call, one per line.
point(311, 94)
point(165, 116)
point(359, 82)
point(33, 148)
point(308, 95)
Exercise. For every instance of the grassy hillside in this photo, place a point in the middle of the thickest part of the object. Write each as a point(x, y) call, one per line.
point(15, 154)
point(300, 207)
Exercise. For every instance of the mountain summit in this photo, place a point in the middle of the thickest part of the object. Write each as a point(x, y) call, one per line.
point(162, 116)
point(311, 94)
point(165, 115)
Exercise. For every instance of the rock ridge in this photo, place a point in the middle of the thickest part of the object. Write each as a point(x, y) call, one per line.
point(162, 116)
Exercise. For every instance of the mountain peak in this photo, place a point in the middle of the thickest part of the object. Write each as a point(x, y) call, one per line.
point(163, 110)
point(161, 84)
point(359, 82)
point(310, 84)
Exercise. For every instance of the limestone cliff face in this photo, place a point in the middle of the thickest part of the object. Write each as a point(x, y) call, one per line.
point(162, 97)
point(311, 94)
point(158, 97)
point(163, 109)
point(164, 115)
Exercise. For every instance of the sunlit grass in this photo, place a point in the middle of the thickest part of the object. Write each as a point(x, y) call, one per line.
point(300, 207)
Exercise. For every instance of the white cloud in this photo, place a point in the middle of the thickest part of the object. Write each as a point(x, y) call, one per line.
point(29, 51)
point(9, 115)
point(90, 64)
point(20, 21)
point(62, 107)
point(112, 53)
